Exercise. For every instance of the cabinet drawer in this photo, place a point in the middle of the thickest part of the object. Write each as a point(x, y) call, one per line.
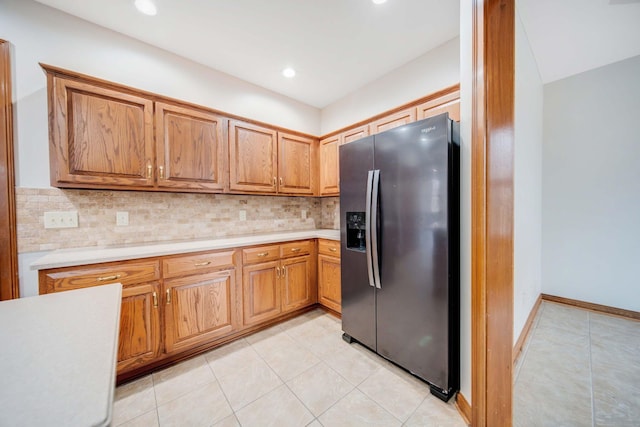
point(295, 249)
point(329, 247)
point(86, 276)
point(260, 254)
point(198, 263)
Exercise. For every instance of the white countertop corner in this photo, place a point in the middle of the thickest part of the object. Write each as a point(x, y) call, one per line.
point(58, 357)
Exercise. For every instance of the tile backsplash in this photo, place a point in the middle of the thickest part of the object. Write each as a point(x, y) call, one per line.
point(156, 217)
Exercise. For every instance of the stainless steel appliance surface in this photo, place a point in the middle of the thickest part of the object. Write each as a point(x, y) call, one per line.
point(399, 216)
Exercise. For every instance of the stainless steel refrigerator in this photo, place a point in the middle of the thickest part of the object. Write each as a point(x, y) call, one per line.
point(399, 216)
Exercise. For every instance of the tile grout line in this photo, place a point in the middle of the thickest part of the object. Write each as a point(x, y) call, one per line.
point(593, 406)
point(155, 398)
point(233, 412)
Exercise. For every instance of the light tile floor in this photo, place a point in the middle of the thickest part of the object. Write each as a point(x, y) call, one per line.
point(578, 368)
point(298, 373)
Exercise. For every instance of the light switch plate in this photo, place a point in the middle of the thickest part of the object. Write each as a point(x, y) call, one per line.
point(304, 214)
point(243, 215)
point(122, 218)
point(65, 219)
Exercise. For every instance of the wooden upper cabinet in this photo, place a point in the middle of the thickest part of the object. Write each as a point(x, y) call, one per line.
point(99, 137)
point(449, 103)
point(296, 164)
point(191, 148)
point(253, 158)
point(354, 134)
point(329, 166)
point(393, 120)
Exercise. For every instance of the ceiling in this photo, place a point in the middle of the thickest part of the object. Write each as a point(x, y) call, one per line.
point(338, 46)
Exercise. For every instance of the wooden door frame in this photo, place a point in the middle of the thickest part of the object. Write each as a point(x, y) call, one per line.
point(9, 287)
point(492, 138)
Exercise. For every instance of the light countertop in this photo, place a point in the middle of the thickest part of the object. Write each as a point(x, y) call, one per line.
point(92, 255)
point(58, 358)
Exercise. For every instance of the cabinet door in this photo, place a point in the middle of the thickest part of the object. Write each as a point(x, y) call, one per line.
point(261, 292)
point(139, 340)
point(355, 134)
point(296, 164)
point(100, 137)
point(296, 283)
point(394, 120)
point(191, 148)
point(329, 293)
point(329, 166)
point(253, 158)
point(199, 309)
point(449, 103)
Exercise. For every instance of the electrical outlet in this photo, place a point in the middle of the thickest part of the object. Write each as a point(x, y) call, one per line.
point(122, 218)
point(67, 219)
point(243, 215)
point(304, 214)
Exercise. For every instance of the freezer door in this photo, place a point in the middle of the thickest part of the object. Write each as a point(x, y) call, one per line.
point(358, 297)
point(412, 302)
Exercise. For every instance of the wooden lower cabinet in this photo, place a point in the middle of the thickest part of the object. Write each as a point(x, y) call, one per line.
point(296, 283)
point(139, 340)
point(199, 309)
point(174, 306)
point(284, 284)
point(329, 291)
point(261, 293)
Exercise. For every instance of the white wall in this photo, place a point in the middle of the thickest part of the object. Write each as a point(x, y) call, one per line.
point(41, 34)
point(591, 186)
point(527, 213)
point(466, 88)
point(431, 72)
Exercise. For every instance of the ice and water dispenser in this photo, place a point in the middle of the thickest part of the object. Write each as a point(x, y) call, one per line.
point(355, 231)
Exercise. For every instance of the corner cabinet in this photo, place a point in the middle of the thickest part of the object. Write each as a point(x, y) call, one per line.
point(329, 166)
point(99, 137)
point(191, 148)
point(296, 164)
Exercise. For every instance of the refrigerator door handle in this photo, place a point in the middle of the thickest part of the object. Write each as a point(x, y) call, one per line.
point(367, 231)
point(374, 228)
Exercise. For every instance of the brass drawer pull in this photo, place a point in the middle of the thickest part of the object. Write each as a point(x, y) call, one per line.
point(262, 254)
point(280, 181)
point(161, 172)
point(274, 181)
point(295, 250)
point(107, 278)
point(277, 272)
point(155, 300)
point(168, 296)
point(333, 250)
point(149, 171)
point(201, 264)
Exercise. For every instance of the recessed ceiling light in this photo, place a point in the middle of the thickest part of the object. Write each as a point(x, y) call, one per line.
point(289, 72)
point(379, 1)
point(146, 6)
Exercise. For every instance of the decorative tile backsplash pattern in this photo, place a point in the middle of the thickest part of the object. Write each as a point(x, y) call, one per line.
point(156, 217)
point(331, 212)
